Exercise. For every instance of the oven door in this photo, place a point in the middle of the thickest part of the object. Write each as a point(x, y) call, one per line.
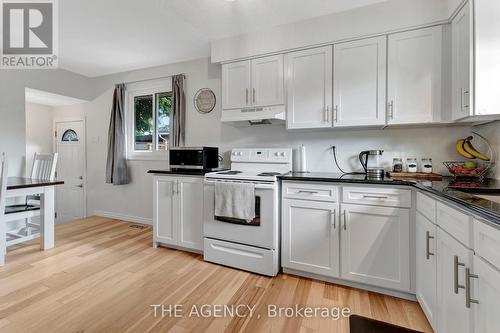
point(261, 232)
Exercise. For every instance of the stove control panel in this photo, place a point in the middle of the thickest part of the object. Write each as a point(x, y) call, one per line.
point(274, 155)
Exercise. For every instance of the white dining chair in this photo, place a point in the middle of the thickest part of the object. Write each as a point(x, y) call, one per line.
point(3, 189)
point(44, 168)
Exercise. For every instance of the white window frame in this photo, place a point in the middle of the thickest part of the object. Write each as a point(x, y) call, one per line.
point(132, 90)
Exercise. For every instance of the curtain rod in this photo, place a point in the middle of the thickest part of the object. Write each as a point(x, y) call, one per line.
point(156, 78)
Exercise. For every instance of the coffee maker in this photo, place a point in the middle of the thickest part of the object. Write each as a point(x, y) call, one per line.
point(372, 164)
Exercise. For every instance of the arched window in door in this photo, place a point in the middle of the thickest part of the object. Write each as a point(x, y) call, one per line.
point(69, 135)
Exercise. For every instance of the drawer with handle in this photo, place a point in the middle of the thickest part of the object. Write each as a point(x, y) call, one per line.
point(308, 191)
point(390, 197)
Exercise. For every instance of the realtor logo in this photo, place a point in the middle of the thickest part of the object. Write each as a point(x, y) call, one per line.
point(29, 34)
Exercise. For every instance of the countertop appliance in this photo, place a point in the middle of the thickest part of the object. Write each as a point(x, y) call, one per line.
point(370, 160)
point(194, 158)
point(250, 246)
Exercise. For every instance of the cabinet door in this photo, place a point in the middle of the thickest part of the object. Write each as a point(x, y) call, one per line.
point(452, 260)
point(311, 237)
point(487, 293)
point(309, 92)
point(164, 227)
point(189, 212)
point(461, 62)
point(267, 81)
point(236, 85)
point(359, 82)
point(426, 267)
point(414, 76)
point(374, 246)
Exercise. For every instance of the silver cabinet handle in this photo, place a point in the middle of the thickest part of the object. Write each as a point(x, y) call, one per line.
point(468, 299)
point(325, 114)
point(328, 113)
point(335, 113)
point(246, 96)
point(462, 99)
point(253, 95)
point(466, 99)
point(345, 222)
point(309, 192)
point(177, 187)
point(428, 237)
point(334, 214)
point(375, 197)
point(456, 263)
point(390, 110)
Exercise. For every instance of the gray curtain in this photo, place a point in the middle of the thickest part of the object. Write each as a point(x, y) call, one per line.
point(116, 166)
point(178, 135)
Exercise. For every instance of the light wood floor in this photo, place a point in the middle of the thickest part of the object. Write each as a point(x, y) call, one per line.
point(103, 276)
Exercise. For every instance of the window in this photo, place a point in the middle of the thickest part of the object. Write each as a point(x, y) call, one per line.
point(149, 111)
point(69, 135)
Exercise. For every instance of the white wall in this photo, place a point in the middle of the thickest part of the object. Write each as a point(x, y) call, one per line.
point(492, 133)
point(379, 18)
point(38, 132)
point(135, 200)
point(12, 105)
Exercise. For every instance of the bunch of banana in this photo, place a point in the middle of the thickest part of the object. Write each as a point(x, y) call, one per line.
point(465, 148)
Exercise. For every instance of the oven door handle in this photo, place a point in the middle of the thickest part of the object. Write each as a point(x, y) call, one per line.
point(257, 186)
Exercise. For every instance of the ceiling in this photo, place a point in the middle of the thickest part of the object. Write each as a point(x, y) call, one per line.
point(49, 99)
point(99, 37)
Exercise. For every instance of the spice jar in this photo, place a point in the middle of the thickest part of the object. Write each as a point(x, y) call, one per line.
point(397, 164)
point(427, 165)
point(411, 164)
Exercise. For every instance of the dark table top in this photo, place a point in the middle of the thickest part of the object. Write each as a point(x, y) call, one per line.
point(16, 183)
point(487, 209)
point(187, 172)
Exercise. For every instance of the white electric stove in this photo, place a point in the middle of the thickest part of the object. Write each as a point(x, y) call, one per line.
point(251, 246)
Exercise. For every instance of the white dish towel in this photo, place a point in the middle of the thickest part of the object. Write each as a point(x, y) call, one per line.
point(235, 200)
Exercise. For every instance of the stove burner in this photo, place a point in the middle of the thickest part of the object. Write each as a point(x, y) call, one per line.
point(230, 172)
point(269, 174)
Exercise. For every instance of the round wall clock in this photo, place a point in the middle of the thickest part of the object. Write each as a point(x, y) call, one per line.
point(204, 100)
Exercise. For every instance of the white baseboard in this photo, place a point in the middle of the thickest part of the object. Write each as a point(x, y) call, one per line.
point(123, 217)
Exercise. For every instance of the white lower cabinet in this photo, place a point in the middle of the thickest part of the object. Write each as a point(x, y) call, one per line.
point(452, 261)
point(486, 291)
point(178, 211)
point(357, 243)
point(310, 236)
point(426, 289)
point(375, 246)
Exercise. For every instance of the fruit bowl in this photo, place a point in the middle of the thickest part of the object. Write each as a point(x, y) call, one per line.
point(469, 168)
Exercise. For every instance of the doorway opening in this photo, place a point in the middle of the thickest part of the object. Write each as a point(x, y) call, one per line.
point(56, 124)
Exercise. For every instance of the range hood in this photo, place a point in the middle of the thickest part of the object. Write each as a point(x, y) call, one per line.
point(268, 115)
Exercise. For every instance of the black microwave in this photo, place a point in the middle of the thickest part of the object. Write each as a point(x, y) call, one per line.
point(194, 158)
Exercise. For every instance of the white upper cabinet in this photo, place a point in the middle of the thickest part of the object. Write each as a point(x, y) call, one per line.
point(487, 53)
point(236, 85)
point(267, 81)
point(309, 88)
point(414, 76)
point(462, 63)
point(253, 83)
point(359, 82)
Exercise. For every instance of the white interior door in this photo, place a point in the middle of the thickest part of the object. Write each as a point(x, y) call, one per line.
point(70, 144)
